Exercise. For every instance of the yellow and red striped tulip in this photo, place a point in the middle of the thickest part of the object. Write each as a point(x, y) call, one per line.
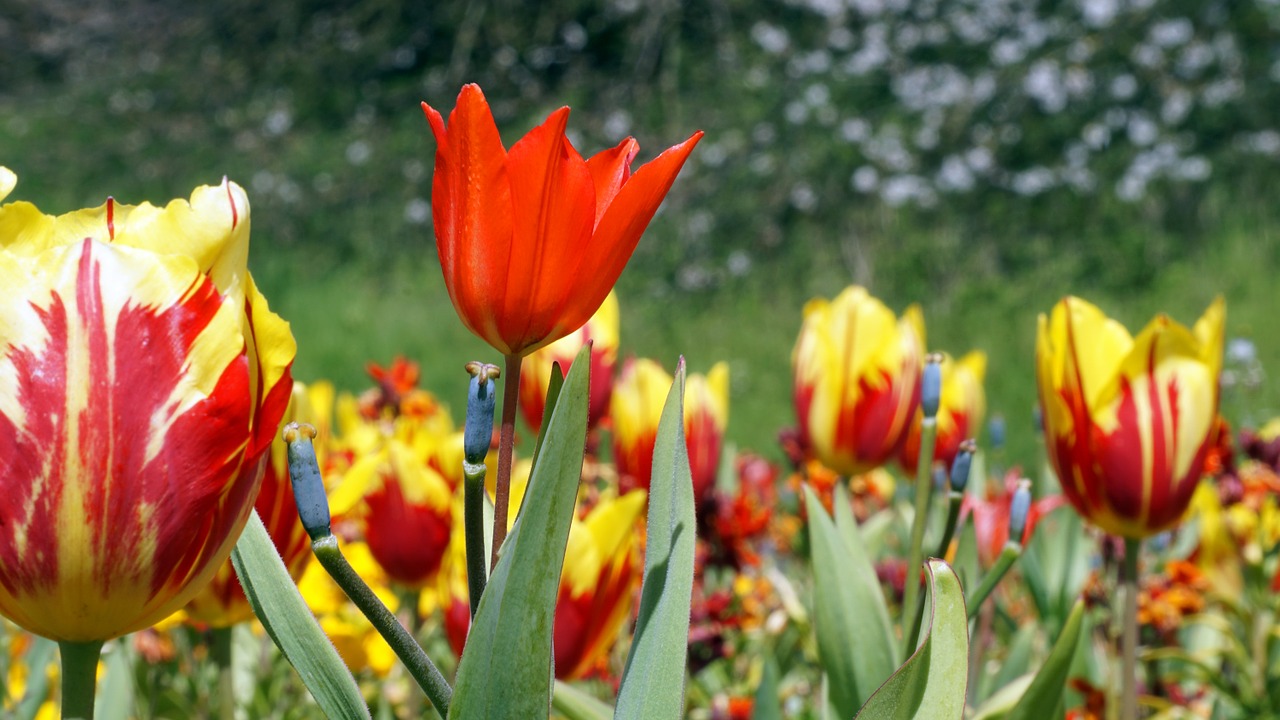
point(142, 379)
point(856, 370)
point(1128, 421)
point(601, 573)
point(535, 372)
point(399, 499)
point(963, 403)
point(532, 240)
point(635, 409)
point(222, 602)
point(706, 417)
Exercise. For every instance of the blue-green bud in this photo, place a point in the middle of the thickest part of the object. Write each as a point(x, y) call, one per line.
point(931, 385)
point(1018, 510)
point(960, 466)
point(997, 430)
point(308, 485)
point(477, 437)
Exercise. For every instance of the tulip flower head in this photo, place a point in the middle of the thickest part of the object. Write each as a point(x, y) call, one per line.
point(960, 414)
point(1128, 421)
point(856, 372)
point(142, 379)
point(531, 240)
point(535, 372)
point(706, 418)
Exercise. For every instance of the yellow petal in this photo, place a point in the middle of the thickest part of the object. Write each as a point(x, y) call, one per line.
point(7, 181)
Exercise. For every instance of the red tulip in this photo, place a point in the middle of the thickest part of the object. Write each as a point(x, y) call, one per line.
point(532, 240)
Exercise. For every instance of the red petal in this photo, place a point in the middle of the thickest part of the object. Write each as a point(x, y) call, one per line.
point(610, 169)
point(471, 209)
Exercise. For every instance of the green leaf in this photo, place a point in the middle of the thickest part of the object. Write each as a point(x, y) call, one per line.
point(855, 637)
point(289, 622)
point(505, 670)
point(1017, 660)
point(1002, 701)
point(767, 705)
point(1045, 692)
point(115, 689)
point(931, 684)
point(654, 678)
point(575, 704)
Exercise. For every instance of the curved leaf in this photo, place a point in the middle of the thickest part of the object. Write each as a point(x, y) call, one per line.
point(767, 705)
point(505, 671)
point(575, 704)
point(653, 681)
point(931, 684)
point(289, 622)
point(1045, 692)
point(855, 637)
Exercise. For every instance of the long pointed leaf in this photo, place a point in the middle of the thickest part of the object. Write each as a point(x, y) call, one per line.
point(855, 642)
point(289, 622)
point(1045, 692)
point(653, 681)
point(505, 671)
point(930, 685)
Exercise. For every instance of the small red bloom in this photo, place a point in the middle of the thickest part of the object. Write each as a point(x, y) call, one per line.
point(531, 240)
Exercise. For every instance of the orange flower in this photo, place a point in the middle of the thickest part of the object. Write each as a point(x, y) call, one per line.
point(959, 415)
point(535, 372)
point(1128, 421)
point(856, 375)
point(142, 379)
point(532, 240)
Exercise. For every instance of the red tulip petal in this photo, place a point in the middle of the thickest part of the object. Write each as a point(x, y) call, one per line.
point(471, 209)
point(554, 199)
point(610, 169)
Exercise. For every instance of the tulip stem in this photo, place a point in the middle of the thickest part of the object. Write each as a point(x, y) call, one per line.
point(954, 501)
point(911, 605)
point(473, 523)
point(1012, 551)
point(79, 677)
point(1129, 631)
point(220, 651)
point(415, 660)
point(506, 449)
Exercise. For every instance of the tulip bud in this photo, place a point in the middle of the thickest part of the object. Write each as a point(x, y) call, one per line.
point(477, 438)
point(308, 487)
point(996, 429)
point(931, 386)
point(960, 468)
point(1018, 511)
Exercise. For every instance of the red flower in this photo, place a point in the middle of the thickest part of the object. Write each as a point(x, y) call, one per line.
point(532, 240)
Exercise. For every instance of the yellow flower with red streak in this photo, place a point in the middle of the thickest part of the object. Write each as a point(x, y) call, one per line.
point(602, 569)
point(706, 417)
point(1128, 421)
point(963, 403)
point(856, 370)
point(535, 372)
point(638, 398)
point(222, 602)
point(142, 379)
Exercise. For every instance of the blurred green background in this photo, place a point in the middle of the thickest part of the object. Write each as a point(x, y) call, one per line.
point(980, 157)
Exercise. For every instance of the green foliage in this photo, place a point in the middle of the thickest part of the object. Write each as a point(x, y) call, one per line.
point(654, 678)
point(855, 638)
point(505, 670)
point(930, 685)
point(1047, 689)
point(289, 622)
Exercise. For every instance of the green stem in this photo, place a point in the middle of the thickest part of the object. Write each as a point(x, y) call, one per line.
point(911, 606)
point(220, 651)
point(1129, 636)
point(473, 523)
point(506, 449)
point(79, 677)
point(424, 672)
point(954, 500)
point(1012, 551)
